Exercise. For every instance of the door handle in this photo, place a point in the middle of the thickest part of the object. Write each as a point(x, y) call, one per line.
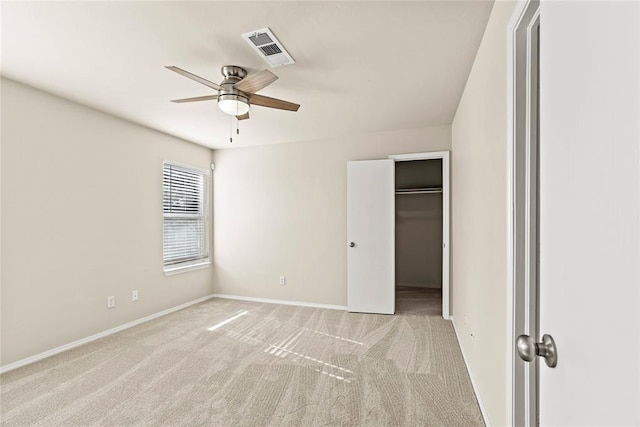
point(351, 245)
point(528, 349)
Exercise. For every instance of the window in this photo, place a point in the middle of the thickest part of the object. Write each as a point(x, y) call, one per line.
point(186, 224)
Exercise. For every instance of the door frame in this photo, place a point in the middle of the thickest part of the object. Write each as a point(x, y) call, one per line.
point(521, 283)
point(446, 250)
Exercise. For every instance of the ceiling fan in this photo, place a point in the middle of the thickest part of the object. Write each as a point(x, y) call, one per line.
point(237, 91)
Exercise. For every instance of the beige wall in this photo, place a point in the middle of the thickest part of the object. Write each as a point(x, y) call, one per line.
point(281, 210)
point(479, 216)
point(419, 240)
point(81, 220)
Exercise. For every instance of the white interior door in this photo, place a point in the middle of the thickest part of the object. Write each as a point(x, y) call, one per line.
point(590, 212)
point(371, 236)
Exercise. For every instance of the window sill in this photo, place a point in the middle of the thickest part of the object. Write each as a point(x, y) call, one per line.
point(171, 271)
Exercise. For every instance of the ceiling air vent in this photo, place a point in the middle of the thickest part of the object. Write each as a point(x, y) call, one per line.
point(268, 47)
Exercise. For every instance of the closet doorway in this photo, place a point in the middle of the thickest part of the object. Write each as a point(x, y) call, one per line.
point(371, 231)
point(422, 233)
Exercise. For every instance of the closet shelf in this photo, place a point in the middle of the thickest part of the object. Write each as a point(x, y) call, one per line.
point(420, 190)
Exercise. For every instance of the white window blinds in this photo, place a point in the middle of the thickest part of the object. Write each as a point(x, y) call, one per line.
point(185, 212)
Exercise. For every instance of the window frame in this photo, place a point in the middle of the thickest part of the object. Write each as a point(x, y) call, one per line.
point(197, 264)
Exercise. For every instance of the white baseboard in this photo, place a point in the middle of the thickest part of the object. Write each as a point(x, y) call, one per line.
point(485, 416)
point(99, 335)
point(284, 302)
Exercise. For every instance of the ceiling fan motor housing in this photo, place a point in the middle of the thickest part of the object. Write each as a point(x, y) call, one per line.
point(233, 71)
point(230, 99)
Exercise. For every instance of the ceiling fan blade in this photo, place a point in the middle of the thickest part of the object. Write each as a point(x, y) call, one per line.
point(265, 101)
point(193, 77)
point(245, 116)
point(197, 98)
point(255, 82)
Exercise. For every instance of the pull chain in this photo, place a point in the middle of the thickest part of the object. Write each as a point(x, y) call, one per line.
point(231, 128)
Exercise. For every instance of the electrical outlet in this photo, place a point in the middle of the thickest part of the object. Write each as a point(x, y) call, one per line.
point(283, 280)
point(134, 295)
point(111, 302)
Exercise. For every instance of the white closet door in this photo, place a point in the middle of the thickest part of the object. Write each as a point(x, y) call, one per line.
point(371, 236)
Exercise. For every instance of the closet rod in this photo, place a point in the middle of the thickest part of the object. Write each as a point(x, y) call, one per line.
point(430, 191)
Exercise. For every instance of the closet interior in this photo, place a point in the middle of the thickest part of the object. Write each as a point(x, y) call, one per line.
point(418, 233)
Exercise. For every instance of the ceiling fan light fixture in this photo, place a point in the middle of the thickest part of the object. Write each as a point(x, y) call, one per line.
point(234, 105)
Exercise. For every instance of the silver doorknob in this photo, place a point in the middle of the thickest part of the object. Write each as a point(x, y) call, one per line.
point(351, 245)
point(528, 349)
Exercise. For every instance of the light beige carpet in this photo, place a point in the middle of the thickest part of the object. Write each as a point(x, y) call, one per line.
point(416, 301)
point(235, 363)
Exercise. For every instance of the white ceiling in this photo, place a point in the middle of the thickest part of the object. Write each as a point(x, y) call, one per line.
point(360, 66)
